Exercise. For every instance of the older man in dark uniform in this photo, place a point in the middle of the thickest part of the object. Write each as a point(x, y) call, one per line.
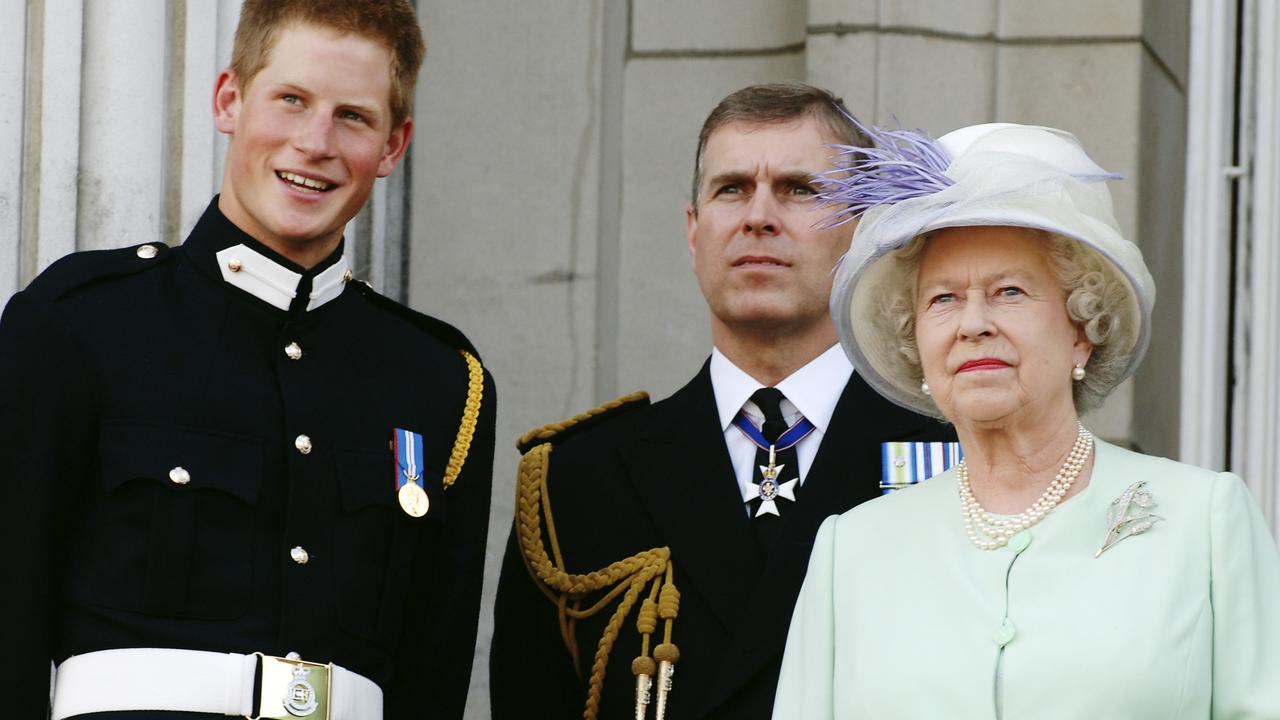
point(676, 535)
point(235, 482)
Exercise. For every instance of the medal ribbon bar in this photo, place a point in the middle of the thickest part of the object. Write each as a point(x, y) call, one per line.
point(907, 463)
point(408, 449)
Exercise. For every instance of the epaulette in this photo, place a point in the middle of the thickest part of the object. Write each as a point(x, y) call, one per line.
point(558, 431)
point(440, 329)
point(81, 268)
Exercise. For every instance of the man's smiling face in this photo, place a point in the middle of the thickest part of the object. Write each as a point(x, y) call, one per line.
point(761, 255)
point(309, 134)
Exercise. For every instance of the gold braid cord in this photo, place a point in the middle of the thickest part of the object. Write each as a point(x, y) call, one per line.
point(470, 414)
point(546, 432)
point(628, 578)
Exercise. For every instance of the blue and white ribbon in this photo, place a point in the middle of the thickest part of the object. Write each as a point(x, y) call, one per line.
point(790, 437)
point(907, 463)
point(408, 450)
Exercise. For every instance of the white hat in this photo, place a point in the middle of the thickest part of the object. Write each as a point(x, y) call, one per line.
point(998, 174)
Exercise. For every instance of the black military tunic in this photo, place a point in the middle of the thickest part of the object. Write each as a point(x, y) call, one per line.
point(184, 465)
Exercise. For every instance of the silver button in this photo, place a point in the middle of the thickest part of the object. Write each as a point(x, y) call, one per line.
point(233, 264)
point(303, 443)
point(299, 555)
point(146, 252)
point(179, 476)
point(293, 350)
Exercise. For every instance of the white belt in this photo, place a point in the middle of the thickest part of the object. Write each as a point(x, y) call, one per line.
point(209, 682)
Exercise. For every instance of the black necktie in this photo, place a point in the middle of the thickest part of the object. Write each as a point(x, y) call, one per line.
point(767, 525)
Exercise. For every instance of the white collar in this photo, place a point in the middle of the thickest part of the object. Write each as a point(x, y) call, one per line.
point(814, 389)
point(267, 280)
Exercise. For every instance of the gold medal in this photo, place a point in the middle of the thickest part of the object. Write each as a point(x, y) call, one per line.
point(413, 500)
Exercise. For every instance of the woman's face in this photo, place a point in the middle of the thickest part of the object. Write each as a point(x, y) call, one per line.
point(995, 340)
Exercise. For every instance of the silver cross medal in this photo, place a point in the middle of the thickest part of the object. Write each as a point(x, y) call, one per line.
point(769, 488)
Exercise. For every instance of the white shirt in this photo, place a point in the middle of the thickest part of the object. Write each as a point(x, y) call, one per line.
point(811, 391)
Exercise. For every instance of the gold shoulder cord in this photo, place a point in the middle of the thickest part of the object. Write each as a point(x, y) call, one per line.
point(470, 413)
point(627, 578)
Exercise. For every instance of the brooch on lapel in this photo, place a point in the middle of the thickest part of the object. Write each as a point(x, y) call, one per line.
point(1129, 515)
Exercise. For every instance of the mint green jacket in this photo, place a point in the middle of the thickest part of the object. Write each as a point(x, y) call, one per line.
point(902, 617)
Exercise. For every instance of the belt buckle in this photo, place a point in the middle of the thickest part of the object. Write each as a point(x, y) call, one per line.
point(293, 688)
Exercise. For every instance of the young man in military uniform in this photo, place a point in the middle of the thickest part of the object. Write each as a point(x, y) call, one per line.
point(676, 535)
point(236, 482)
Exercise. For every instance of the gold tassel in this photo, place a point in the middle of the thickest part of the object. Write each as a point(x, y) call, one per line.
point(667, 654)
point(643, 669)
point(643, 666)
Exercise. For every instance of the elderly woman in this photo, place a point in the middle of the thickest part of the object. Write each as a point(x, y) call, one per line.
point(1049, 574)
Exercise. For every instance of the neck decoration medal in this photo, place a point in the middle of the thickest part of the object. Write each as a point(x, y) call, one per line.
point(769, 489)
point(407, 446)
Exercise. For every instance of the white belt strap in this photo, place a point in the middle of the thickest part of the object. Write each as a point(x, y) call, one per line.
point(187, 681)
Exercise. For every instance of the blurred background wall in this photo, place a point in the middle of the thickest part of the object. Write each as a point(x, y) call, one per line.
point(542, 206)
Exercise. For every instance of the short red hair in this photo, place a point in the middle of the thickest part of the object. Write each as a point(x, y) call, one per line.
point(390, 23)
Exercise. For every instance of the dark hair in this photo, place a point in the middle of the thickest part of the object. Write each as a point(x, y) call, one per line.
point(390, 23)
point(773, 103)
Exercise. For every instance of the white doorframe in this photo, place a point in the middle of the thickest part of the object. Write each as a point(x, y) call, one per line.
point(1207, 250)
point(1233, 352)
point(1256, 428)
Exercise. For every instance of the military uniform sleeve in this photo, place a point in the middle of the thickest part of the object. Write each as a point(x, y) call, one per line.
point(46, 443)
point(1245, 593)
point(530, 671)
point(806, 682)
point(433, 667)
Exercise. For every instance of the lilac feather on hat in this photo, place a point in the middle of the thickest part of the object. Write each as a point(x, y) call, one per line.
point(900, 165)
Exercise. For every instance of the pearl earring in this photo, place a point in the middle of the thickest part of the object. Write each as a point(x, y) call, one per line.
point(924, 388)
point(1077, 372)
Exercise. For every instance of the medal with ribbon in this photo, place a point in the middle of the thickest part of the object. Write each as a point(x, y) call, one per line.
point(769, 489)
point(906, 463)
point(407, 446)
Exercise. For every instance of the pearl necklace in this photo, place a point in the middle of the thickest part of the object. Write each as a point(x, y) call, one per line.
point(988, 531)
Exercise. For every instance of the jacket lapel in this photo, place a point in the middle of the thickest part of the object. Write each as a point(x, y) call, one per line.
point(681, 470)
point(828, 489)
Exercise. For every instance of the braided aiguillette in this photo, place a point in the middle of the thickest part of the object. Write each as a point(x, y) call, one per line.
point(623, 581)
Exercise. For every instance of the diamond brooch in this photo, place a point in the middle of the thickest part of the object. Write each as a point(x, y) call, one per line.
point(1129, 515)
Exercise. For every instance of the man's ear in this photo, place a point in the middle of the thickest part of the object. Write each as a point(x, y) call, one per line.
point(397, 144)
point(226, 101)
point(691, 223)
